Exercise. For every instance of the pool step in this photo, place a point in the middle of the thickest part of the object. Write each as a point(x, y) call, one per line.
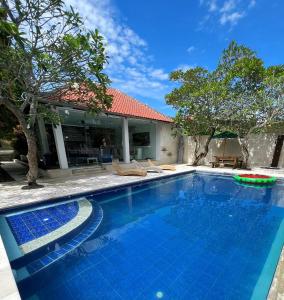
point(43, 262)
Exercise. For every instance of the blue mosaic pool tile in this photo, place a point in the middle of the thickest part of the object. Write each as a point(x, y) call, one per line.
point(53, 256)
point(45, 260)
point(35, 265)
point(34, 224)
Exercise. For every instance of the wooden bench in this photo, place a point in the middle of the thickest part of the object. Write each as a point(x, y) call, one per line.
point(222, 161)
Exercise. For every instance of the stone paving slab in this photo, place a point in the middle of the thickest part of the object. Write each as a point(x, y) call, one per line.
point(13, 196)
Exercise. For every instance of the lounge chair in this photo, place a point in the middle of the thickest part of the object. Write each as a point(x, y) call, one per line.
point(128, 172)
point(163, 167)
point(147, 168)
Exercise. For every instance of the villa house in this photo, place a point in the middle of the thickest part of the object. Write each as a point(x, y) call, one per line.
point(128, 130)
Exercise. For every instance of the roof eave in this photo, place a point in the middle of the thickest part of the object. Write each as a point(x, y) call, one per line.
point(83, 107)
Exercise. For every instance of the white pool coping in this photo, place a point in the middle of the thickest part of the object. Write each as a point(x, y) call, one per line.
point(8, 286)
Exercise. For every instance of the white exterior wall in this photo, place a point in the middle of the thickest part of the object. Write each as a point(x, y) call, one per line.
point(168, 141)
point(281, 160)
point(261, 148)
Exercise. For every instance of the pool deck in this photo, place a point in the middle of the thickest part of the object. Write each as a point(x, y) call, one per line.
point(13, 196)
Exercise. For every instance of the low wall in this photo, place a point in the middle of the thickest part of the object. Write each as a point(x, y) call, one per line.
point(168, 145)
point(261, 149)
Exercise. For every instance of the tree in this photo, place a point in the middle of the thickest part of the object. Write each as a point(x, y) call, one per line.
point(256, 93)
point(44, 47)
point(7, 124)
point(200, 101)
point(240, 95)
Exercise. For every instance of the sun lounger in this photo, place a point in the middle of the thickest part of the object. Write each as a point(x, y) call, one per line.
point(128, 172)
point(163, 167)
point(147, 168)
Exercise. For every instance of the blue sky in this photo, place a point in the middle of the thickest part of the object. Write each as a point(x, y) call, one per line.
point(148, 39)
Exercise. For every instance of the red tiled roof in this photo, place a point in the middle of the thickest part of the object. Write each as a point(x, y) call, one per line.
point(122, 104)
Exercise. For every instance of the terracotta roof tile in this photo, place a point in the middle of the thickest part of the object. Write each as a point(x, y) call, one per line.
point(122, 104)
point(125, 105)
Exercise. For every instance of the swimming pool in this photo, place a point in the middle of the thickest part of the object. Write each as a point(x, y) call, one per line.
point(193, 236)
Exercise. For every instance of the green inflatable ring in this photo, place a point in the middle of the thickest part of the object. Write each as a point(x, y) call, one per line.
point(255, 178)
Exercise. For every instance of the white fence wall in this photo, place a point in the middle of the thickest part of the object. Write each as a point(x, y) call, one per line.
point(169, 142)
point(261, 148)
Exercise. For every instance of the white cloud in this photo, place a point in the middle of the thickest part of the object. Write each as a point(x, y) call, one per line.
point(226, 12)
point(252, 4)
point(212, 5)
point(190, 49)
point(232, 18)
point(159, 74)
point(228, 6)
point(130, 66)
point(185, 67)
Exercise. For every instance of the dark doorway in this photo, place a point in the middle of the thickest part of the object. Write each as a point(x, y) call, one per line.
point(277, 151)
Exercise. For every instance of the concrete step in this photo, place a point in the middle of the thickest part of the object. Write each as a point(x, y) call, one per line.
point(85, 170)
point(88, 170)
point(7, 155)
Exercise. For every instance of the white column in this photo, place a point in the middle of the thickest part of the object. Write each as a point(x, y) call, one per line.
point(60, 147)
point(125, 141)
point(158, 141)
point(43, 136)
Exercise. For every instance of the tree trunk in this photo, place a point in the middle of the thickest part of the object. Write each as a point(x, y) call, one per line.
point(31, 141)
point(32, 159)
point(204, 153)
point(244, 149)
point(197, 146)
point(180, 149)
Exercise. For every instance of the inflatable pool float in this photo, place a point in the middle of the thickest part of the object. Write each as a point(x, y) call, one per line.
point(255, 178)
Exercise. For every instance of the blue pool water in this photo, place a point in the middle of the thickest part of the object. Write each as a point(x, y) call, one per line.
point(193, 236)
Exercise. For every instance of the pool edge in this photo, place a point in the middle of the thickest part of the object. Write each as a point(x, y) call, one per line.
point(276, 290)
point(53, 200)
point(8, 286)
point(264, 285)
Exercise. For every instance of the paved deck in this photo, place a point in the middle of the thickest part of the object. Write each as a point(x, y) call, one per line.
point(13, 196)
